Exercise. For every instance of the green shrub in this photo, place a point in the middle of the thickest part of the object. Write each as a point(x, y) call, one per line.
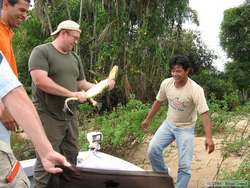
point(244, 108)
point(123, 124)
point(232, 100)
point(121, 127)
point(22, 148)
point(219, 115)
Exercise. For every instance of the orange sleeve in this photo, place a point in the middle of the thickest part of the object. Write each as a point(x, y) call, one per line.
point(6, 47)
point(10, 58)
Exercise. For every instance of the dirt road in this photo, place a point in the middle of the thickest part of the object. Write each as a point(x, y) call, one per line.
point(204, 166)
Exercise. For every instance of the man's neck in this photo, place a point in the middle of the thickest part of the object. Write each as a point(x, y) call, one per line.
point(3, 21)
point(180, 84)
point(58, 47)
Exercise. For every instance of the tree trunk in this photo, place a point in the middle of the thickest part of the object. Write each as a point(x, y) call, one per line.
point(47, 16)
point(91, 67)
point(67, 8)
point(79, 22)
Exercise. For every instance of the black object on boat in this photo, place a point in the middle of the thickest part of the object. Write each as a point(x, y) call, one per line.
point(75, 177)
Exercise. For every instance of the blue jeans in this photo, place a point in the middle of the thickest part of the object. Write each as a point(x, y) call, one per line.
point(164, 136)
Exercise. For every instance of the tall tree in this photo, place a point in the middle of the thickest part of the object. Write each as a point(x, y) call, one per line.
point(235, 40)
point(235, 33)
point(138, 35)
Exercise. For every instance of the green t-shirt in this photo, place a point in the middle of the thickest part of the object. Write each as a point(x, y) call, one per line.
point(64, 69)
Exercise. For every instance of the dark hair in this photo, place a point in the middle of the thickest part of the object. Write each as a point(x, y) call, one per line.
point(181, 60)
point(12, 2)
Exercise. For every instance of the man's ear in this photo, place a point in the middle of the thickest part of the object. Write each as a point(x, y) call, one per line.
point(190, 71)
point(5, 4)
point(63, 31)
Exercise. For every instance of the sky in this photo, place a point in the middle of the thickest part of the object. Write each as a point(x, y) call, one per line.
point(210, 13)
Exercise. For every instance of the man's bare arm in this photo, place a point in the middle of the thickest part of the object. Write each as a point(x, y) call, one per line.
point(42, 81)
point(24, 112)
point(207, 125)
point(154, 109)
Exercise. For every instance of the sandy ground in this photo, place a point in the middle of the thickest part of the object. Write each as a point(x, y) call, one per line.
point(204, 166)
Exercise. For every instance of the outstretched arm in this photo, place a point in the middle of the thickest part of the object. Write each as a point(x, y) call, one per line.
point(207, 125)
point(22, 109)
point(17, 102)
point(154, 109)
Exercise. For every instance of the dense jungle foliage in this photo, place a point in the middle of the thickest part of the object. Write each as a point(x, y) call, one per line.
point(140, 36)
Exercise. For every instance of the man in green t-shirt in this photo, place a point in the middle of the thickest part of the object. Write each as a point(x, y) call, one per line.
point(57, 73)
point(185, 99)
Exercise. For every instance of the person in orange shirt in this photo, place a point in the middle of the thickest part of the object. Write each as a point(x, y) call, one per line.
point(14, 9)
point(13, 13)
point(6, 35)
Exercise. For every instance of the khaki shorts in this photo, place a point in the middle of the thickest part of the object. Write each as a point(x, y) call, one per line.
point(7, 159)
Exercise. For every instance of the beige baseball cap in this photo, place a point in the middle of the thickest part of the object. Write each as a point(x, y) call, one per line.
point(68, 25)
